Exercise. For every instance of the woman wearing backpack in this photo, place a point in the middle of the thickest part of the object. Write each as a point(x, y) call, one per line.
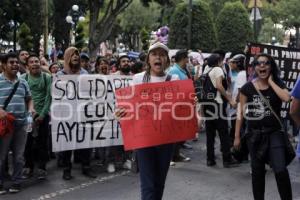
point(153, 161)
point(215, 111)
point(262, 97)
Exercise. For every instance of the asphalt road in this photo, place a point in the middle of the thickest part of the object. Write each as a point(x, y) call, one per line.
point(186, 181)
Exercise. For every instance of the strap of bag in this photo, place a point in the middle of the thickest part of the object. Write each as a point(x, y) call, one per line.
point(168, 78)
point(209, 71)
point(11, 95)
point(44, 78)
point(268, 104)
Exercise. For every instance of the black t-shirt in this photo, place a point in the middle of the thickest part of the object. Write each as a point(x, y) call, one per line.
point(257, 112)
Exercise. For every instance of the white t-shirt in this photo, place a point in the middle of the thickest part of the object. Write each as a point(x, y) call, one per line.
point(138, 78)
point(240, 80)
point(214, 74)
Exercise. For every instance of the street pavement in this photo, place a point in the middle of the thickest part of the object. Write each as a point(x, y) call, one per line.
point(185, 181)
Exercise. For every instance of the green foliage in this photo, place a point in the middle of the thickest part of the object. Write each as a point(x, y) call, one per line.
point(136, 17)
point(161, 2)
point(61, 29)
point(21, 11)
point(167, 12)
point(217, 5)
point(79, 38)
point(25, 37)
point(270, 11)
point(269, 30)
point(288, 11)
point(144, 34)
point(203, 30)
point(233, 27)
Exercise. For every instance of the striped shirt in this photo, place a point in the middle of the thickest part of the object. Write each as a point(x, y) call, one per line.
point(17, 105)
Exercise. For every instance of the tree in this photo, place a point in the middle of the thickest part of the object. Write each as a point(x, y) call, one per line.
point(135, 18)
point(101, 24)
point(269, 30)
point(203, 29)
point(288, 13)
point(161, 2)
point(102, 18)
point(61, 29)
point(79, 38)
point(21, 11)
point(217, 5)
point(30, 12)
point(144, 34)
point(25, 37)
point(233, 27)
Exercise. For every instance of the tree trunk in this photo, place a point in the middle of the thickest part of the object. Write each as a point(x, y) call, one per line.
point(99, 34)
point(100, 30)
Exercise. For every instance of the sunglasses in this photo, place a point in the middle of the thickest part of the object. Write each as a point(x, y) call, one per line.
point(258, 63)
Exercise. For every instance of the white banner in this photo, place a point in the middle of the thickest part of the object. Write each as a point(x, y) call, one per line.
point(82, 111)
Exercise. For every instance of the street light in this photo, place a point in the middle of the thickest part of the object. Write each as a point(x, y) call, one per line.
point(14, 26)
point(273, 41)
point(75, 15)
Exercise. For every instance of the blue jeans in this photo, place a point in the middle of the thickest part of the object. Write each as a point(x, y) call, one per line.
point(154, 164)
point(16, 142)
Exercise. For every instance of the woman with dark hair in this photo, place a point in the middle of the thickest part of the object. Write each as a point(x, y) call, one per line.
point(215, 112)
point(153, 161)
point(102, 66)
point(262, 98)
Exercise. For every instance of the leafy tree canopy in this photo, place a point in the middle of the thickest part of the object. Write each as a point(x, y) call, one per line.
point(233, 27)
point(203, 29)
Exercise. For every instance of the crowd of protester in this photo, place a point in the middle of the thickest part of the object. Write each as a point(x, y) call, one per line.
point(31, 145)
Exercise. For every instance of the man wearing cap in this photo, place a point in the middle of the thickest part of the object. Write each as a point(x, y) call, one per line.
point(123, 65)
point(72, 66)
point(85, 62)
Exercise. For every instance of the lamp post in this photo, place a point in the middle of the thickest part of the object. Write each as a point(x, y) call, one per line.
point(74, 15)
point(273, 40)
point(14, 25)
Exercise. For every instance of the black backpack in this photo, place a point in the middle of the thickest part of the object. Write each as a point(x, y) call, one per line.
point(204, 88)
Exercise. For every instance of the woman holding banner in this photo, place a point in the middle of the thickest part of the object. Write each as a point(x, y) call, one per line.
point(262, 98)
point(153, 161)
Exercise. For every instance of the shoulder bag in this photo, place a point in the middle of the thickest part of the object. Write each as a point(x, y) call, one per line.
point(7, 123)
point(289, 149)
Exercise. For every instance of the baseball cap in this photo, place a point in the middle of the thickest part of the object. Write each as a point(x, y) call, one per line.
point(237, 58)
point(121, 55)
point(84, 55)
point(158, 45)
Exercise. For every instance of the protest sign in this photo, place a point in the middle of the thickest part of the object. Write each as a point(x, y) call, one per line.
point(287, 59)
point(157, 113)
point(82, 111)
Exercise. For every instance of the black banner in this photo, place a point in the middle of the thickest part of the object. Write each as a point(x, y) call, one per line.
point(287, 59)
